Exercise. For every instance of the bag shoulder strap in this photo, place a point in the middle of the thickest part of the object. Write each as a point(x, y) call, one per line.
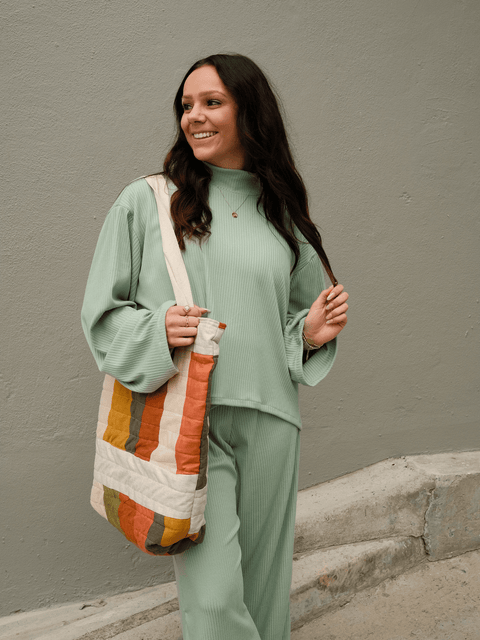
point(171, 250)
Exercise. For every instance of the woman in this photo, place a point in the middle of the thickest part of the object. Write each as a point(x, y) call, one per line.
point(254, 260)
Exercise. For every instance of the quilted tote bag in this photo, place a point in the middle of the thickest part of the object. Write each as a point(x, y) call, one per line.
point(150, 472)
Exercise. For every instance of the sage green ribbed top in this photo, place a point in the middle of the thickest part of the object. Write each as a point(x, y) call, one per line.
point(241, 273)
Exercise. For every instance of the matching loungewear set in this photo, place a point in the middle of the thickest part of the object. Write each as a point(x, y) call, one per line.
point(235, 585)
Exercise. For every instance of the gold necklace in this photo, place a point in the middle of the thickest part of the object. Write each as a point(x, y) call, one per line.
point(234, 213)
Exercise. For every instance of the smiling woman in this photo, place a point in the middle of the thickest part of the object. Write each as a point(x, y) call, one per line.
point(255, 260)
point(209, 121)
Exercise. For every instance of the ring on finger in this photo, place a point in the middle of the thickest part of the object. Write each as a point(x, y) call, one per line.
point(187, 308)
point(186, 319)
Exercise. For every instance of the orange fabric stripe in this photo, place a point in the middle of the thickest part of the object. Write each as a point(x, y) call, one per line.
point(118, 428)
point(135, 520)
point(150, 427)
point(142, 523)
point(187, 448)
point(126, 516)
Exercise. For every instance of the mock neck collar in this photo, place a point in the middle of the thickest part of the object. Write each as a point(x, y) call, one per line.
point(234, 179)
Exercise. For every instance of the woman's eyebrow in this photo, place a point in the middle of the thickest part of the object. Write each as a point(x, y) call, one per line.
point(205, 93)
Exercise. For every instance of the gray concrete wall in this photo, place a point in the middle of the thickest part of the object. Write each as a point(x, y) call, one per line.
point(383, 108)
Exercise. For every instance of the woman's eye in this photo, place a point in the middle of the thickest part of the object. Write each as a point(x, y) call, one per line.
point(210, 103)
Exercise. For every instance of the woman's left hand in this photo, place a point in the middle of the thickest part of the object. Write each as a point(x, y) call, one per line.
point(327, 315)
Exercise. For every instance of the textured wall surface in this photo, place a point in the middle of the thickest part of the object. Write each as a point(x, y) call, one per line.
point(383, 109)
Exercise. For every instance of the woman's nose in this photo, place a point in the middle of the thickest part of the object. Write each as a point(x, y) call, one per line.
point(196, 115)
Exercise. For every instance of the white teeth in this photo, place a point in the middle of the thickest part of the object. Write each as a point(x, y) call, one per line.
point(204, 135)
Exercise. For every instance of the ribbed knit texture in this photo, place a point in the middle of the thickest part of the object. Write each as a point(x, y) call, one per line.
point(241, 273)
point(236, 584)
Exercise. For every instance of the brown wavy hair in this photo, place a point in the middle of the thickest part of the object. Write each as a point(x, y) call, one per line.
point(262, 134)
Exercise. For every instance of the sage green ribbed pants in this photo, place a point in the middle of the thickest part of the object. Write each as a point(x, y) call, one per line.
point(235, 585)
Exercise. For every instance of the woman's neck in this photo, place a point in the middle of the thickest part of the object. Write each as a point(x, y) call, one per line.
point(234, 179)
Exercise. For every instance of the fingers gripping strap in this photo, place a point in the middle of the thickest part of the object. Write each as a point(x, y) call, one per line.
point(171, 250)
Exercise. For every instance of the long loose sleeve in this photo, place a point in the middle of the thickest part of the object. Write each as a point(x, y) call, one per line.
point(306, 285)
point(128, 342)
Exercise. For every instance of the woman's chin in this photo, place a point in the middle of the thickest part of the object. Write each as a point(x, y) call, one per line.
point(202, 155)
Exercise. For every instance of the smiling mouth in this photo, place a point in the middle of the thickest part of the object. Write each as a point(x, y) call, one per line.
point(208, 134)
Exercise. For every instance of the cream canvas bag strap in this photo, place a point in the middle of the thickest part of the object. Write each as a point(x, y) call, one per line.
point(171, 250)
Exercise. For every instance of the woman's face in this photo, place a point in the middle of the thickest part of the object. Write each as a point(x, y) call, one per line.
point(209, 120)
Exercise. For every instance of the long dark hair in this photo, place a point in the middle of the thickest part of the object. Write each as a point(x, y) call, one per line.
point(262, 134)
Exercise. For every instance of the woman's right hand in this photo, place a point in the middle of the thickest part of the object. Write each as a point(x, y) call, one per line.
point(182, 326)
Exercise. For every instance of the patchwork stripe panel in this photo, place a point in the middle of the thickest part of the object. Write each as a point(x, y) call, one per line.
point(149, 485)
point(150, 476)
point(150, 531)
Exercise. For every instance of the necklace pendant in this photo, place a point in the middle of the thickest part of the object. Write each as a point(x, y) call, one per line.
point(235, 215)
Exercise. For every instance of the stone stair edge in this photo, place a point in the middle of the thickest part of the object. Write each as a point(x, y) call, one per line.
point(349, 546)
point(420, 466)
point(324, 580)
point(386, 499)
point(80, 614)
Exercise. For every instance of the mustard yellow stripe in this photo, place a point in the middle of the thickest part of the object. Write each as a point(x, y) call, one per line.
point(175, 530)
point(118, 429)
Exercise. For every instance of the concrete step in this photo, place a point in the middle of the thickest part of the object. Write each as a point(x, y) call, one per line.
point(73, 621)
point(351, 534)
point(433, 601)
point(433, 496)
point(325, 580)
